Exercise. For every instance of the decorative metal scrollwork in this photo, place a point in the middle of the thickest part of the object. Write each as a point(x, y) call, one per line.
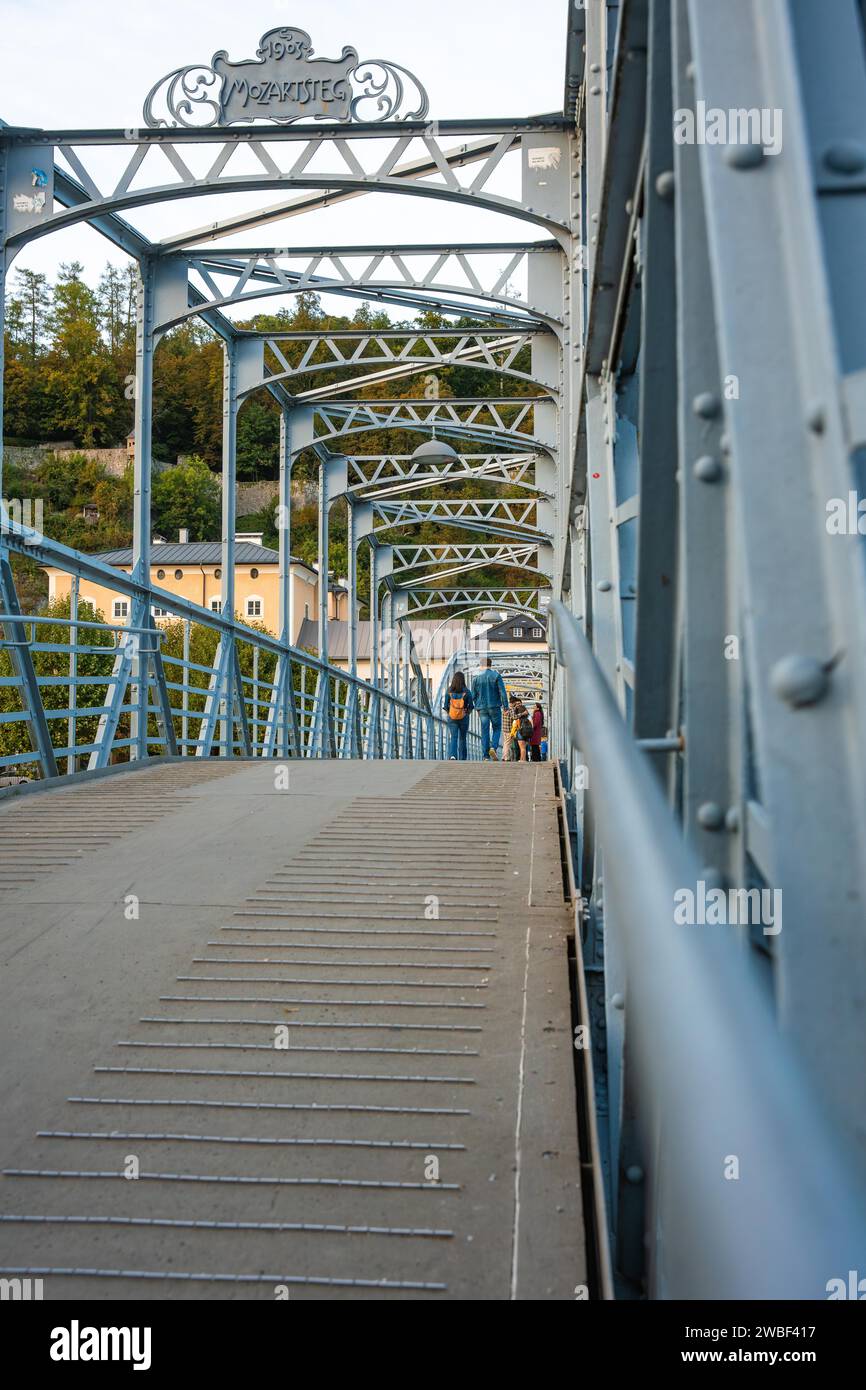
point(186, 98)
point(381, 83)
point(284, 83)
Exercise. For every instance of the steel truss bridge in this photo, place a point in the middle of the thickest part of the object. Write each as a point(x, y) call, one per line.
point(676, 350)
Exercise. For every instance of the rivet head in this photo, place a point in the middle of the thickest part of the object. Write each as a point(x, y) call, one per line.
point(665, 184)
point(634, 1174)
point(594, 91)
point(706, 405)
point(595, 67)
point(604, 586)
point(799, 680)
point(732, 819)
point(618, 1001)
point(816, 418)
point(745, 156)
point(845, 157)
point(707, 469)
point(711, 816)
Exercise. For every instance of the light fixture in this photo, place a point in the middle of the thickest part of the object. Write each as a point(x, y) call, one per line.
point(434, 451)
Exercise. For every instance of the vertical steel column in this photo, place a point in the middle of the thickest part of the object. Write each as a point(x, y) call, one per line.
point(284, 517)
point(374, 614)
point(655, 698)
point(184, 723)
point(73, 672)
point(332, 484)
point(226, 654)
point(141, 506)
point(278, 737)
point(352, 582)
point(804, 614)
point(128, 664)
point(709, 681)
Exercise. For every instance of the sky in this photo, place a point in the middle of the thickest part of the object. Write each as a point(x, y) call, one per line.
point(74, 64)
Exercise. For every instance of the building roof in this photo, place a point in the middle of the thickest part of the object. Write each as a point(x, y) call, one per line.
point(524, 623)
point(199, 553)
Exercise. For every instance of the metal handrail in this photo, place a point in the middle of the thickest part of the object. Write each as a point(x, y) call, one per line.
point(355, 703)
point(716, 1080)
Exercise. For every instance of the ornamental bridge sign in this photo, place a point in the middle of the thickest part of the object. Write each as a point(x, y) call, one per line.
point(285, 83)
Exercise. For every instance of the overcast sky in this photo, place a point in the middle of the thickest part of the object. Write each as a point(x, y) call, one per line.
point(67, 64)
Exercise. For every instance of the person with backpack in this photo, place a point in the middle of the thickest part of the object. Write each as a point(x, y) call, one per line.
point(536, 735)
point(512, 752)
point(458, 706)
point(521, 731)
point(490, 699)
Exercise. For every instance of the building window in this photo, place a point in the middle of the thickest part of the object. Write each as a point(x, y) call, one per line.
point(517, 632)
point(306, 610)
point(216, 605)
point(160, 574)
point(254, 574)
point(254, 607)
point(159, 612)
point(121, 608)
point(217, 574)
point(538, 632)
point(178, 574)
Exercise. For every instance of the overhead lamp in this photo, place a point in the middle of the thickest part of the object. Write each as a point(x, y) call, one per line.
point(434, 451)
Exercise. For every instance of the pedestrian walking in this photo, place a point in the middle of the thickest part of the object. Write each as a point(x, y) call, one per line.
point(535, 736)
point(490, 699)
point(458, 706)
point(521, 733)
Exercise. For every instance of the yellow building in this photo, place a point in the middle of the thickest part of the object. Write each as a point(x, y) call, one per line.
point(193, 571)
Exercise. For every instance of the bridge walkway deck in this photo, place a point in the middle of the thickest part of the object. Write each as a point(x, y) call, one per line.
point(327, 1025)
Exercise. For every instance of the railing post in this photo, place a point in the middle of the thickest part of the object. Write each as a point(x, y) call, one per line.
point(73, 674)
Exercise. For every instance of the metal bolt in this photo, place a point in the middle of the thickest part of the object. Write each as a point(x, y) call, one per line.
point(744, 156)
point(707, 469)
point(594, 91)
point(799, 680)
point(618, 1001)
point(604, 586)
point(816, 418)
point(846, 157)
point(711, 816)
point(706, 405)
point(665, 183)
point(595, 67)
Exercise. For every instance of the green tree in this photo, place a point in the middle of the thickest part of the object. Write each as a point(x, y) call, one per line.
point(187, 495)
point(82, 385)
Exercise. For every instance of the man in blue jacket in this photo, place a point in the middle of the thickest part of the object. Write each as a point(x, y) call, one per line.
point(490, 699)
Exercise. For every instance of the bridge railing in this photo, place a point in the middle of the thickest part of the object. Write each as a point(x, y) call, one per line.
point(79, 690)
point(726, 1157)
